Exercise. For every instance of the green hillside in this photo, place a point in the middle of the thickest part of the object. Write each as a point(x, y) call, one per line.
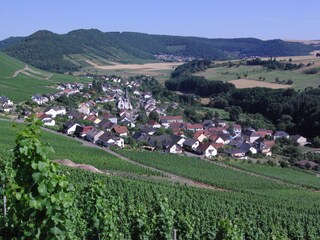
point(68, 52)
point(20, 86)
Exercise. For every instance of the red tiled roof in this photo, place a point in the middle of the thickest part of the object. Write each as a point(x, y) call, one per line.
point(120, 129)
point(171, 117)
point(194, 126)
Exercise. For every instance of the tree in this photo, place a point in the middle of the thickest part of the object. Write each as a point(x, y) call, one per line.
point(41, 199)
point(316, 142)
point(154, 116)
point(234, 112)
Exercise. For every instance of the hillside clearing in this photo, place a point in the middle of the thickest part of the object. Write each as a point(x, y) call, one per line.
point(250, 83)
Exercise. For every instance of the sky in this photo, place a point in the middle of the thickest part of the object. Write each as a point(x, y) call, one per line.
point(271, 19)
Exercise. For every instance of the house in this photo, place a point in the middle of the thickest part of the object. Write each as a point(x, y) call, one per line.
point(69, 127)
point(280, 134)
point(81, 131)
point(147, 130)
point(54, 111)
point(93, 135)
point(110, 117)
point(106, 125)
point(171, 119)
point(94, 119)
point(174, 148)
point(194, 127)
point(237, 153)
point(247, 148)
point(199, 136)
point(250, 135)
point(263, 148)
point(39, 99)
point(264, 133)
point(237, 129)
point(305, 164)
point(179, 140)
point(75, 115)
point(207, 149)
point(298, 139)
point(219, 122)
point(120, 130)
point(107, 140)
point(208, 124)
point(46, 119)
point(190, 144)
point(84, 108)
point(153, 124)
point(6, 105)
point(216, 139)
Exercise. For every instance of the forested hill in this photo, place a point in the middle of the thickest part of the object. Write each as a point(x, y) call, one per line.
point(67, 52)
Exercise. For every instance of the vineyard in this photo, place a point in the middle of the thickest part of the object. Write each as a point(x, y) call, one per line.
point(219, 176)
point(110, 207)
point(290, 175)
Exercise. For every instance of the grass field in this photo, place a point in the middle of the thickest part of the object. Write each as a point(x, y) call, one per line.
point(67, 148)
point(20, 86)
point(300, 79)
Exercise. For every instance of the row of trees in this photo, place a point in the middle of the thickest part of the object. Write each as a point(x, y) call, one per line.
point(273, 64)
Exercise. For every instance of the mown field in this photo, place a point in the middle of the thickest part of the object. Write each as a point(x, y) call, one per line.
point(290, 175)
point(300, 79)
point(68, 148)
point(24, 85)
point(215, 175)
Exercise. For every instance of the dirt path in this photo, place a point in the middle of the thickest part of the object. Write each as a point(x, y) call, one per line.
point(27, 71)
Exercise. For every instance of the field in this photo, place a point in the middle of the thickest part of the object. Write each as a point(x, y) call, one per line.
point(261, 208)
point(160, 70)
point(299, 78)
point(219, 176)
point(67, 148)
point(289, 175)
point(249, 83)
point(19, 82)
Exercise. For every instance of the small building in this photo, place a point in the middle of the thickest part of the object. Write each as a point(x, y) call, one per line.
point(298, 139)
point(93, 135)
point(194, 127)
point(122, 131)
point(69, 127)
point(250, 136)
point(207, 149)
point(191, 144)
point(280, 134)
point(54, 111)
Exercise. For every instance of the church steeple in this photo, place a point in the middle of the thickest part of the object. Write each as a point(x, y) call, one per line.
point(127, 94)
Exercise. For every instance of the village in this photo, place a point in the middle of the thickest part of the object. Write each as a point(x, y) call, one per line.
point(113, 111)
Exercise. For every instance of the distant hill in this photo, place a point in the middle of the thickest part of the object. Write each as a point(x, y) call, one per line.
point(69, 52)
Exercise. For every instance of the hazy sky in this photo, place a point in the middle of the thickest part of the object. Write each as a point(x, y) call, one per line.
point(265, 19)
